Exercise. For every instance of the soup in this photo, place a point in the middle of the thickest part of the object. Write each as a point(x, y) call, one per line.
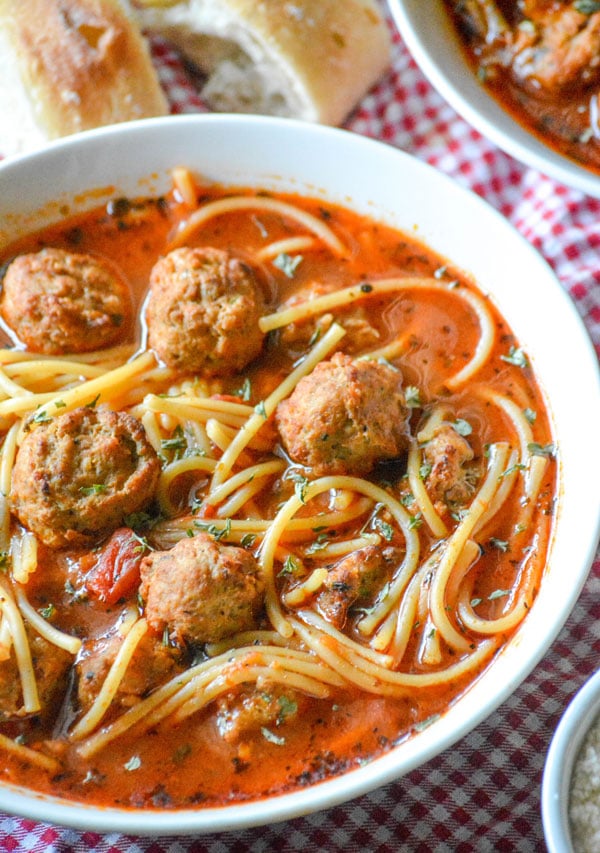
point(540, 60)
point(278, 485)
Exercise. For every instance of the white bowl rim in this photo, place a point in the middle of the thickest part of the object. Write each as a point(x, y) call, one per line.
point(567, 740)
point(460, 88)
point(451, 727)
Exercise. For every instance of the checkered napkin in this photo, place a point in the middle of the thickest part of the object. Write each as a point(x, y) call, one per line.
point(483, 794)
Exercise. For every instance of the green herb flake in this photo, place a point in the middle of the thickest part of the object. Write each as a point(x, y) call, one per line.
point(463, 427)
point(541, 449)
point(425, 470)
point(516, 356)
point(134, 763)
point(500, 544)
point(248, 540)
point(41, 417)
point(498, 593)
point(287, 707)
point(260, 409)
point(287, 264)
point(272, 737)
point(300, 485)
point(92, 403)
point(48, 611)
point(476, 601)
point(587, 7)
point(94, 489)
point(412, 396)
point(245, 392)
point(290, 566)
point(386, 530)
point(530, 415)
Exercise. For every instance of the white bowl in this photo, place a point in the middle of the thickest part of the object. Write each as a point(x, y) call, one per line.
point(568, 739)
point(433, 42)
point(389, 185)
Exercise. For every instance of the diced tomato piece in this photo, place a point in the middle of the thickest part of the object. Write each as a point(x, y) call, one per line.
point(115, 573)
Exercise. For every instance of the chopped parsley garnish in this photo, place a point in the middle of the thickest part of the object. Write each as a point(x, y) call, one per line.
point(412, 396)
point(134, 763)
point(247, 540)
point(48, 611)
point(245, 392)
point(424, 471)
point(272, 737)
point(260, 409)
point(500, 544)
point(300, 485)
point(541, 449)
point(516, 356)
point(587, 7)
point(386, 530)
point(94, 489)
point(176, 442)
point(498, 593)
point(463, 427)
point(143, 544)
point(290, 566)
point(92, 403)
point(287, 264)
point(530, 415)
point(213, 530)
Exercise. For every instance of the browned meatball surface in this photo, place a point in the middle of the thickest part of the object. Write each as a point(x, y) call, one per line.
point(203, 311)
point(356, 580)
point(201, 590)
point(77, 476)
point(451, 479)
point(344, 417)
point(51, 667)
point(152, 664)
point(59, 302)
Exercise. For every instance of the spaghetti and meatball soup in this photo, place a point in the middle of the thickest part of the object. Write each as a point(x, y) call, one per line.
point(276, 486)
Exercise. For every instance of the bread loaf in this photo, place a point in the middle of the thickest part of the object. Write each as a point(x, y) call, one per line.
point(70, 65)
point(309, 59)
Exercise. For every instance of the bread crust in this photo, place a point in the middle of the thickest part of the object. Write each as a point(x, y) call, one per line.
point(83, 63)
point(319, 57)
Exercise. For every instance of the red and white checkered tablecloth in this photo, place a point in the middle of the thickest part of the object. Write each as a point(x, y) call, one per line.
point(483, 794)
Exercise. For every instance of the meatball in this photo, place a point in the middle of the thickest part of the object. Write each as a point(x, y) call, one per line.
point(58, 302)
point(203, 311)
point(451, 479)
point(152, 664)
point(246, 711)
point(344, 417)
point(355, 580)
point(51, 666)
point(201, 590)
point(77, 476)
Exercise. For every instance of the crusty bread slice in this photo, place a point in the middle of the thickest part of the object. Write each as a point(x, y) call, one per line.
point(68, 66)
point(309, 59)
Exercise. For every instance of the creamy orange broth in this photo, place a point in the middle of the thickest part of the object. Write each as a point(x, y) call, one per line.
point(190, 764)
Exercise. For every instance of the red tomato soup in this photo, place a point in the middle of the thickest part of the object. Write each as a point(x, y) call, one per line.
point(277, 486)
point(539, 60)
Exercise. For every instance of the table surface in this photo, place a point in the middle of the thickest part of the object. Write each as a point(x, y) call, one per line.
point(483, 794)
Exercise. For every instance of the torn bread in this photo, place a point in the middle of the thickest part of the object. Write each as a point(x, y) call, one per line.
point(71, 65)
point(308, 59)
